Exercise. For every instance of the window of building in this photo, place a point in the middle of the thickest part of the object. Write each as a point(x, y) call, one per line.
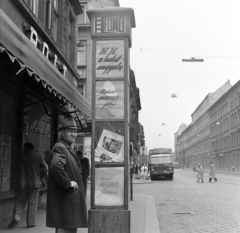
point(55, 20)
point(81, 55)
point(33, 5)
point(71, 37)
point(83, 18)
point(81, 89)
point(82, 72)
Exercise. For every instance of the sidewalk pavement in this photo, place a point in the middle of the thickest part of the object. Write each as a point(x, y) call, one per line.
point(144, 217)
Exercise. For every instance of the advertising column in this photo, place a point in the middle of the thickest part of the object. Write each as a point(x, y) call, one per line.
point(111, 35)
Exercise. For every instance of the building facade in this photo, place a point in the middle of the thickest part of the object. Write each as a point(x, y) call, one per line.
point(38, 60)
point(225, 130)
point(193, 144)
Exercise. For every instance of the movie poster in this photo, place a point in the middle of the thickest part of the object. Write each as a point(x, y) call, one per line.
point(110, 147)
point(109, 186)
point(110, 58)
point(109, 100)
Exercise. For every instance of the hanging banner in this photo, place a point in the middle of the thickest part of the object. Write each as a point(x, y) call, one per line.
point(109, 100)
point(109, 186)
point(109, 58)
point(110, 147)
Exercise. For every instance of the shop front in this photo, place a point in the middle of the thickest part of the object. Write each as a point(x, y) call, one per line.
point(34, 96)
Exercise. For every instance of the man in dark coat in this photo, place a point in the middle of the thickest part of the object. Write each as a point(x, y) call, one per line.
point(28, 167)
point(66, 205)
point(85, 169)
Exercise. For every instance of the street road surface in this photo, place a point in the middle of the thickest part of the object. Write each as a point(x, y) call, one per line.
point(185, 206)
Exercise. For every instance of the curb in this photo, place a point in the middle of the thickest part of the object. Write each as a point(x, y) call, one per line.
point(151, 217)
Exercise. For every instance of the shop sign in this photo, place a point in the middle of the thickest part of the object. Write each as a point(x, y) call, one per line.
point(109, 100)
point(109, 58)
point(109, 186)
point(113, 24)
point(43, 47)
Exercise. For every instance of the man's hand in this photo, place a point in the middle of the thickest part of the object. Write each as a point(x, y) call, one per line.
point(74, 185)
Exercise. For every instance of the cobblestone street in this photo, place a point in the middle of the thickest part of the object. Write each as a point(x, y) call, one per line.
point(183, 205)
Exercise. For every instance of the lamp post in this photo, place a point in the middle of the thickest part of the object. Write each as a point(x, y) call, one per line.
point(192, 59)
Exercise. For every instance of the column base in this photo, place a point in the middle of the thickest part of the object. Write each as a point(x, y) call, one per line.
point(108, 221)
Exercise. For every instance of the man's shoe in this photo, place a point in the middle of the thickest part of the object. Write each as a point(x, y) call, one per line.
point(13, 223)
point(30, 226)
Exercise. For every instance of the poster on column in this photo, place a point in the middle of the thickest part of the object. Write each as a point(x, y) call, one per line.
point(109, 100)
point(109, 58)
point(109, 186)
point(110, 147)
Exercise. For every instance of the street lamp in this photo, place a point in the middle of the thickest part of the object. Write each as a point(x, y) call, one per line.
point(192, 59)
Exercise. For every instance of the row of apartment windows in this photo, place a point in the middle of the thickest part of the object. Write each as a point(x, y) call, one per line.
point(226, 124)
point(234, 102)
point(221, 112)
point(232, 140)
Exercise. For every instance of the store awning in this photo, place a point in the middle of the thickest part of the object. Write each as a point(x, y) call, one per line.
point(19, 49)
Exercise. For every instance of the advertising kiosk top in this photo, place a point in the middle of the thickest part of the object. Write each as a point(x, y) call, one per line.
point(111, 21)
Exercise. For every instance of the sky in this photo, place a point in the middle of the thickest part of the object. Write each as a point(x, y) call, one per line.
point(166, 32)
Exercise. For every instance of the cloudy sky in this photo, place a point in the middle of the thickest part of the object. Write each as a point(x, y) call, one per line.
point(168, 31)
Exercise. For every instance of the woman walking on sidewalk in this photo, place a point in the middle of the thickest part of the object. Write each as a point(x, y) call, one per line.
point(212, 173)
point(200, 173)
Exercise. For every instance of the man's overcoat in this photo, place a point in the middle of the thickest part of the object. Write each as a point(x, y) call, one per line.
point(66, 207)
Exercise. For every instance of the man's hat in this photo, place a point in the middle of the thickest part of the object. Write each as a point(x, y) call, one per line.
point(68, 123)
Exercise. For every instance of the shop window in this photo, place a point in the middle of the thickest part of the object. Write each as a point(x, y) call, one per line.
point(37, 127)
point(78, 145)
point(8, 106)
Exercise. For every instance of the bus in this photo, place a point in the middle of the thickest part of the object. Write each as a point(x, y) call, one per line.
point(161, 164)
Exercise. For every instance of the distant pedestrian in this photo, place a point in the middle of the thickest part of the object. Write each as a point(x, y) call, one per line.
point(144, 171)
point(137, 171)
point(85, 169)
point(212, 173)
point(29, 167)
point(66, 204)
point(200, 173)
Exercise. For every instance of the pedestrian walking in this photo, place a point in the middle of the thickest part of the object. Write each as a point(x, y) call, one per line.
point(29, 167)
point(200, 173)
point(66, 204)
point(212, 173)
point(85, 169)
point(144, 171)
